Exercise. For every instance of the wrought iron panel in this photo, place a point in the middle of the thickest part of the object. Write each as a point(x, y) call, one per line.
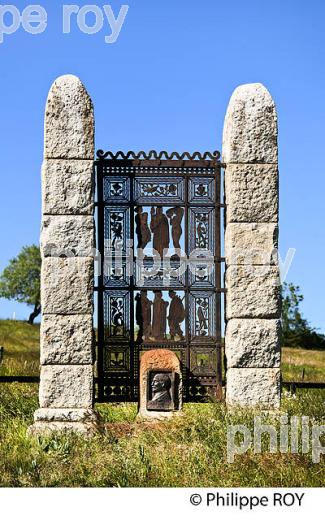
point(159, 228)
point(160, 315)
point(116, 189)
point(202, 310)
point(164, 292)
point(202, 191)
point(116, 359)
point(116, 230)
point(117, 272)
point(202, 275)
point(117, 315)
point(203, 362)
point(162, 190)
point(148, 275)
point(202, 229)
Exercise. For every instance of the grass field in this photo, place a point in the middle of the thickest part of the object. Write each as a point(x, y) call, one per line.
point(303, 365)
point(21, 348)
point(190, 450)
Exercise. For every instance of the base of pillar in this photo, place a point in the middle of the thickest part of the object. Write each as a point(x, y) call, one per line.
point(273, 407)
point(145, 415)
point(254, 387)
point(50, 420)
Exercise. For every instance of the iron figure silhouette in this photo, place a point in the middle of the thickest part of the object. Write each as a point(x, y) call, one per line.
point(202, 231)
point(201, 315)
point(142, 228)
point(143, 315)
point(160, 230)
point(117, 316)
point(175, 216)
point(116, 228)
point(176, 316)
point(159, 321)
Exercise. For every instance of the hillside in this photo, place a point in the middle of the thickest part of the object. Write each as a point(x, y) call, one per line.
point(21, 348)
point(21, 343)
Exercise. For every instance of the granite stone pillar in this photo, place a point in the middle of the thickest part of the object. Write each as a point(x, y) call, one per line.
point(67, 242)
point(252, 341)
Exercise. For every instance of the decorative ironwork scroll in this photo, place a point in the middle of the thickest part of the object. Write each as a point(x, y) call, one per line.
point(165, 291)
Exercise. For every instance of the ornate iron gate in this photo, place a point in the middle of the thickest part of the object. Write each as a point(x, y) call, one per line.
point(161, 203)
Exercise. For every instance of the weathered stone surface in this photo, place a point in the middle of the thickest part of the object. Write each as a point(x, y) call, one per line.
point(69, 121)
point(250, 129)
point(251, 193)
point(251, 244)
point(67, 187)
point(253, 387)
point(70, 235)
point(67, 339)
point(253, 343)
point(67, 285)
point(66, 386)
point(44, 428)
point(252, 292)
point(158, 359)
point(66, 414)
point(251, 240)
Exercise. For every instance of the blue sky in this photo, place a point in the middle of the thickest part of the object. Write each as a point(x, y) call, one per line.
point(165, 84)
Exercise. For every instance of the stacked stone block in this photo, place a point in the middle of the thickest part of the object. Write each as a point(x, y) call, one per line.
point(252, 342)
point(67, 243)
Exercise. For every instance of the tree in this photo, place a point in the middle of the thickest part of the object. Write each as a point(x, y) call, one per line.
point(296, 330)
point(20, 281)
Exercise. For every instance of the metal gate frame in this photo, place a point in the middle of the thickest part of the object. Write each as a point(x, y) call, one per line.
point(125, 169)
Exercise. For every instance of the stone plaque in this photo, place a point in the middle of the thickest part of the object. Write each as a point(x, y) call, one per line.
point(162, 391)
point(160, 384)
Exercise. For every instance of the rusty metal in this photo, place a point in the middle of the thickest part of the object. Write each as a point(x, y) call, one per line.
point(162, 199)
point(163, 155)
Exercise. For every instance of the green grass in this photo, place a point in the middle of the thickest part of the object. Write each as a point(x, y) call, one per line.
point(187, 451)
point(21, 348)
point(190, 450)
point(306, 365)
